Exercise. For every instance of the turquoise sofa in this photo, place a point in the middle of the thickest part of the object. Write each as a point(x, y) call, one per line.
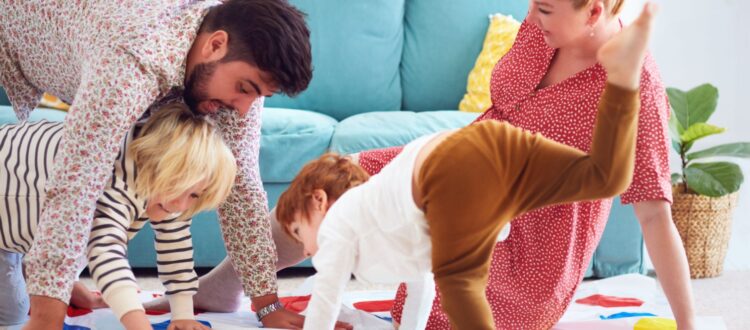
point(385, 72)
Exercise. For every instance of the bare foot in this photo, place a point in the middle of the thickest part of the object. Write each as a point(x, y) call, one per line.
point(158, 304)
point(219, 291)
point(622, 56)
point(82, 297)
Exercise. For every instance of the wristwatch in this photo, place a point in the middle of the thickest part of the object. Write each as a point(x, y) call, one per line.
point(263, 312)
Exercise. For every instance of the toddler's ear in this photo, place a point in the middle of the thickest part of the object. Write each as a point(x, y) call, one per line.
point(320, 200)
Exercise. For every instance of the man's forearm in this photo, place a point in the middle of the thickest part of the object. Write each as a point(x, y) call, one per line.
point(46, 313)
point(244, 214)
point(263, 301)
point(668, 256)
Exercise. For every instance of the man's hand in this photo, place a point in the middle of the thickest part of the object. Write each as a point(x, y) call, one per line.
point(289, 320)
point(283, 319)
point(186, 325)
point(46, 313)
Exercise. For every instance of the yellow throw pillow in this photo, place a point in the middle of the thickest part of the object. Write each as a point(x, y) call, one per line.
point(52, 102)
point(500, 36)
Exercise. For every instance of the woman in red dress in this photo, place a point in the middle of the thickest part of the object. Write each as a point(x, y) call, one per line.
point(550, 82)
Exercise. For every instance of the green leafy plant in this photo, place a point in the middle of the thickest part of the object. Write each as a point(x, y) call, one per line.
point(690, 112)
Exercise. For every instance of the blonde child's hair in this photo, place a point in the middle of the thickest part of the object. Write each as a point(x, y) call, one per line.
point(333, 173)
point(177, 149)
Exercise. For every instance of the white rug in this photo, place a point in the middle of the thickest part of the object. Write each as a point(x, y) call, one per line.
point(577, 317)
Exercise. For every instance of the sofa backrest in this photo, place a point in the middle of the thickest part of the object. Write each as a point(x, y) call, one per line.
point(442, 39)
point(356, 47)
point(390, 55)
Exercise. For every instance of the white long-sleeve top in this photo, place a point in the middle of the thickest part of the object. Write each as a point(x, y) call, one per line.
point(376, 232)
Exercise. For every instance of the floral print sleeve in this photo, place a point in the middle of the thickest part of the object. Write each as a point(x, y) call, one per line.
point(244, 215)
point(102, 113)
point(115, 60)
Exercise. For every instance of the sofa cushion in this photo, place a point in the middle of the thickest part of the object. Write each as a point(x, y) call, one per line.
point(621, 248)
point(441, 42)
point(289, 139)
point(208, 245)
point(386, 129)
point(356, 47)
point(3, 97)
point(8, 116)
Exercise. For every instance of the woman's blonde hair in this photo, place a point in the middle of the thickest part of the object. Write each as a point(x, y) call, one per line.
point(614, 6)
point(177, 149)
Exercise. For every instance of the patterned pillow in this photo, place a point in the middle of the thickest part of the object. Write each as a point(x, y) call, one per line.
point(500, 36)
point(52, 102)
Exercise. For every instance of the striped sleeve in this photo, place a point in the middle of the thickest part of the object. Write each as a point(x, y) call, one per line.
point(107, 252)
point(117, 218)
point(174, 259)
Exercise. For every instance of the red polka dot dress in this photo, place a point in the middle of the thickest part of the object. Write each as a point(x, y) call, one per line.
point(536, 270)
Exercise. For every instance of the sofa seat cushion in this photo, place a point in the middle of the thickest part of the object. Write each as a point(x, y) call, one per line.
point(289, 139)
point(386, 129)
point(8, 116)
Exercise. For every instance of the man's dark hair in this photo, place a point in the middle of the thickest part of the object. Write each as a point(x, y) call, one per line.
point(270, 34)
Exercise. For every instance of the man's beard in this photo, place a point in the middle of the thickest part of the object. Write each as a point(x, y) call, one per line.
point(196, 85)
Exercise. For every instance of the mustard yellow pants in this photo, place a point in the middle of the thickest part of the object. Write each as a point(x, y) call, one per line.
point(486, 174)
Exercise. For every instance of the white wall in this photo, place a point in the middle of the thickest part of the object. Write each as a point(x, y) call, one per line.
point(699, 41)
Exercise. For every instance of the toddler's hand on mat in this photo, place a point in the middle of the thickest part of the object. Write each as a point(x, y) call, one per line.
point(186, 325)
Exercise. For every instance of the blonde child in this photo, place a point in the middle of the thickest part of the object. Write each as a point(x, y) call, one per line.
point(170, 167)
point(438, 207)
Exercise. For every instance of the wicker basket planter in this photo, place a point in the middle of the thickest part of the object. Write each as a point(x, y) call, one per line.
point(704, 224)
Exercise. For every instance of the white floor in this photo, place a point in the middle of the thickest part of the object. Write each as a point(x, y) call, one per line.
point(726, 296)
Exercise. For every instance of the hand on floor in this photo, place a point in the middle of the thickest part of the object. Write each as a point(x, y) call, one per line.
point(289, 320)
point(186, 325)
point(284, 319)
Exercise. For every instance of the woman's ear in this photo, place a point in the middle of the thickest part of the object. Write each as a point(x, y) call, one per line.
point(595, 12)
point(320, 200)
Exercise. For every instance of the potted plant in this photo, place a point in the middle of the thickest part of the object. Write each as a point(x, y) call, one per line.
point(705, 192)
